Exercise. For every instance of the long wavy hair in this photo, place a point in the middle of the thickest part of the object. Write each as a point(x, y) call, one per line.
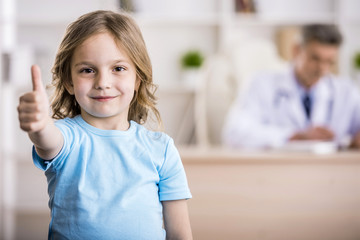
point(125, 30)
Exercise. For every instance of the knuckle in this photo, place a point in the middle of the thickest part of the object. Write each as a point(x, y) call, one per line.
point(24, 126)
point(22, 99)
point(21, 117)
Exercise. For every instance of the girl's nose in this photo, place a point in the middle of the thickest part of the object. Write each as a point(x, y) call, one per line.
point(102, 81)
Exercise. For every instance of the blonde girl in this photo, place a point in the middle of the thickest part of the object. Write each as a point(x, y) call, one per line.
point(108, 176)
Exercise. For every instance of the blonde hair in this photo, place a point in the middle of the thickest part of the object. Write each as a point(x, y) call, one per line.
point(125, 30)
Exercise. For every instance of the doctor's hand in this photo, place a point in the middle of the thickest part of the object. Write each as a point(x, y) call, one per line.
point(314, 133)
point(33, 108)
point(355, 143)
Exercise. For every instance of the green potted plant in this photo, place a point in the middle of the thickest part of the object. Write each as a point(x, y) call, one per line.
point(356, 62)
point(191, 61)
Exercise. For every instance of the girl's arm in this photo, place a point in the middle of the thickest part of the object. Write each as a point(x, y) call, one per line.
point(35, 120)
point(176, 220)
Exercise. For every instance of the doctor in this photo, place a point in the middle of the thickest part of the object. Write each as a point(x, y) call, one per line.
point(304, 103)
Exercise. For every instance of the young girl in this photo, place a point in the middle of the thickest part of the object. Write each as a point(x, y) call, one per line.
point(108, 176)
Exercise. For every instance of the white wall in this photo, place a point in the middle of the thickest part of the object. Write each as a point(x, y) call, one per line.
point(170, 27)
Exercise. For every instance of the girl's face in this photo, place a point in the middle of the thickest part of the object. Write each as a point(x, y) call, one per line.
point(103, 82)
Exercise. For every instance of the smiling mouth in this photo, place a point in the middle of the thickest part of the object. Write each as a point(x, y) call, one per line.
point(103, 98)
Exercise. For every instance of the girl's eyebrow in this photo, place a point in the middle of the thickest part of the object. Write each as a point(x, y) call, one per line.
point(113, 62)
point(83, 63)
point(122, 60)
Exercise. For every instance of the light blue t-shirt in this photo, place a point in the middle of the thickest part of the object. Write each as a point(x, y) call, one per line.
point(108, 184)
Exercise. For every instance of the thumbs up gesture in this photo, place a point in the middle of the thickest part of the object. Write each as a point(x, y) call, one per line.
point(34, 106)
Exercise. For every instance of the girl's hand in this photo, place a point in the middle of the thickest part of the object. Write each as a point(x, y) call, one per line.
point(34, 106)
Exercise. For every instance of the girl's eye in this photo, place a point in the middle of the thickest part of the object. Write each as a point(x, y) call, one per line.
point(119, 69)
point(86, 70)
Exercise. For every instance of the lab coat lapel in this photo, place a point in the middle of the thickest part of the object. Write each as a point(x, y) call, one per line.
point(322, 103)
point(294, 109)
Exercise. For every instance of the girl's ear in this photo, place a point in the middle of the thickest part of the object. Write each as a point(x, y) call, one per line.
point(69, 87)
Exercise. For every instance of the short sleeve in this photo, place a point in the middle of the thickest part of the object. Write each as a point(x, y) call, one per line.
point(173, 183)
point(68, 135)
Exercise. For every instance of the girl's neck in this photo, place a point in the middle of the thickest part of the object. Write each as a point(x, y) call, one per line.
point(106, 123)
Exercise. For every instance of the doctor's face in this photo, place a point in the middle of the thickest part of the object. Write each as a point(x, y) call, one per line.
point(314, 60)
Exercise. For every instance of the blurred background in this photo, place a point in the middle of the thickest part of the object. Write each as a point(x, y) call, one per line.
point(203, 52)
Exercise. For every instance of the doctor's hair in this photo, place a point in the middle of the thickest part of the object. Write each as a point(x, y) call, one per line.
point(323, 33)
point(127, 35)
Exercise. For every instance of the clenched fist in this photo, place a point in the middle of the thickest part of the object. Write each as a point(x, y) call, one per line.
point(34, 106)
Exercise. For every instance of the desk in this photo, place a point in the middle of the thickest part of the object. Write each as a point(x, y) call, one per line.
point(273, 195)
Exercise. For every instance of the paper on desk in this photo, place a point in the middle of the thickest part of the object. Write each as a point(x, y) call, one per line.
point(313, 146)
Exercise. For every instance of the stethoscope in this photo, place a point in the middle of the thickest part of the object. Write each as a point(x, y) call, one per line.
point(284, 95)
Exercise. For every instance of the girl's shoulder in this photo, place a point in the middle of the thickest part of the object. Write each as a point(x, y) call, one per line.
point(154, 141)
point(65, 123)
point(68, 120)
point(68, 124)
point(151, 135)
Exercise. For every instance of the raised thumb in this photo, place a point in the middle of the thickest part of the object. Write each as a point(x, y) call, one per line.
point(36, 78)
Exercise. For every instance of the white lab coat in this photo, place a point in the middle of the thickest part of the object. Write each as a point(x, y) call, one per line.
point(271, 111)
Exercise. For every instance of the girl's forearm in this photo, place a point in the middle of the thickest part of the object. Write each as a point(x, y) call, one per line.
point(48, 141)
